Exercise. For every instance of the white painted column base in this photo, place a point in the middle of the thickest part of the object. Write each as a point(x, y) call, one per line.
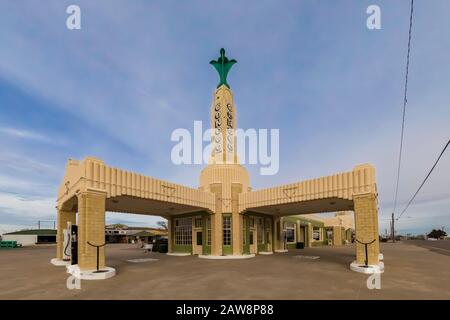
point(244, 256)
point(281, 250)
point(91, 274)
point(265, 252)
point(59, 262)
point(178, 254)
point(371, 268)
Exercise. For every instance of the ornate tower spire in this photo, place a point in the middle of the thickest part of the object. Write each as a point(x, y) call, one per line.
point(223, 116)
point(223, 66)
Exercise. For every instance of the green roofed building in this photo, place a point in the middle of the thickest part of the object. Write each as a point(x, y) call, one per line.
point(31, 236)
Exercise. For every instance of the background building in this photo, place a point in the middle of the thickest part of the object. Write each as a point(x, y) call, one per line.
point(120, 233)
point(31, 237)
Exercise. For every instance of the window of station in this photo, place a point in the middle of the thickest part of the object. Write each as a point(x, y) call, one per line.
point(290, 232)
point(227, 230)
point(316, 233)
point(208, 231)
point(260, 233)
point(183, 231)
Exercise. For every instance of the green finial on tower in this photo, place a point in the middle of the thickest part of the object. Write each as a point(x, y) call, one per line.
point(223, 66)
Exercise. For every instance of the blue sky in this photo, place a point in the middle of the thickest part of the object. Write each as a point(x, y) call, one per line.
point(137, 70)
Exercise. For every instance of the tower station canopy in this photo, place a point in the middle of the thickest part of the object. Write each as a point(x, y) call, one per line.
point(223, 217)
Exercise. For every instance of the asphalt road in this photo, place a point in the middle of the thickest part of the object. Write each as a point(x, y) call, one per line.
point(438, 246)
point(411, 272)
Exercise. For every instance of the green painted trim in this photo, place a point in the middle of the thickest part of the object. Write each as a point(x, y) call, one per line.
point(206, 250)
point(182, 248)
point(319, 243)
point(262, 247)
point(227, 250)
point(246, 246)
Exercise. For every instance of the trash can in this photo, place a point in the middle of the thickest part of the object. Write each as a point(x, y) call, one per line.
point(300, 245)
point(162, 248)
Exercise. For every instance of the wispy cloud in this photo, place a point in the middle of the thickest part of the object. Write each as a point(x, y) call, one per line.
point(19, 210)
point(24, 134)
point(15, 162)
point(30, 135)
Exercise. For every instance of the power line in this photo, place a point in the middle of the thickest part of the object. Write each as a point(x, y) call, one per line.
point(405, 100)
point(424, 180)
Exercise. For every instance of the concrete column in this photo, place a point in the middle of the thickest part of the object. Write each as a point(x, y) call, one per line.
point(91, 227)
point(298, 233)
point(337, 236)
point(170, 234)
point(309, 237)
point(281, 239)
point(216, 234)
point(216, 221)
point(63, 217)
point(275, 236)
point(238, 222)
point(366, 227)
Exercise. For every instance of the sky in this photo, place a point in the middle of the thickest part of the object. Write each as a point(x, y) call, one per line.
point(137, 70)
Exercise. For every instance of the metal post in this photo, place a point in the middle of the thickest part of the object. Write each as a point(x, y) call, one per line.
point(393, 228)
point(98, 254)
point(366, 262)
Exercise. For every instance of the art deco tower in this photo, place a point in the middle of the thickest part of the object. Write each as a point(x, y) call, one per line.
point(223, 175)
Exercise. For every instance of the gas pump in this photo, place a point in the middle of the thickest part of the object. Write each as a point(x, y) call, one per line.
point(67, 242)
point(74, 243)
point(70, 244)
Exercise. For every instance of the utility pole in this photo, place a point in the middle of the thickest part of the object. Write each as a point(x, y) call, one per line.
point(392, 228)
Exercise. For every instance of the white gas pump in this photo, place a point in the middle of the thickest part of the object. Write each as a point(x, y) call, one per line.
point(67, 251)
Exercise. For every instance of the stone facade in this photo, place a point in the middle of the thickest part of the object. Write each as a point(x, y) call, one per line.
point(366, 227)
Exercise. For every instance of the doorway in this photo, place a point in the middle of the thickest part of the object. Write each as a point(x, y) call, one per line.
point(252, 236)
point(197, 236)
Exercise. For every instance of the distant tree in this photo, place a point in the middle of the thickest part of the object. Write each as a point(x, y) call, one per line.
point(436, 233)
point(119, 226)
point(163, 225)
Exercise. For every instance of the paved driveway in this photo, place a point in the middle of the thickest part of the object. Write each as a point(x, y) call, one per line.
point(412, 272)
